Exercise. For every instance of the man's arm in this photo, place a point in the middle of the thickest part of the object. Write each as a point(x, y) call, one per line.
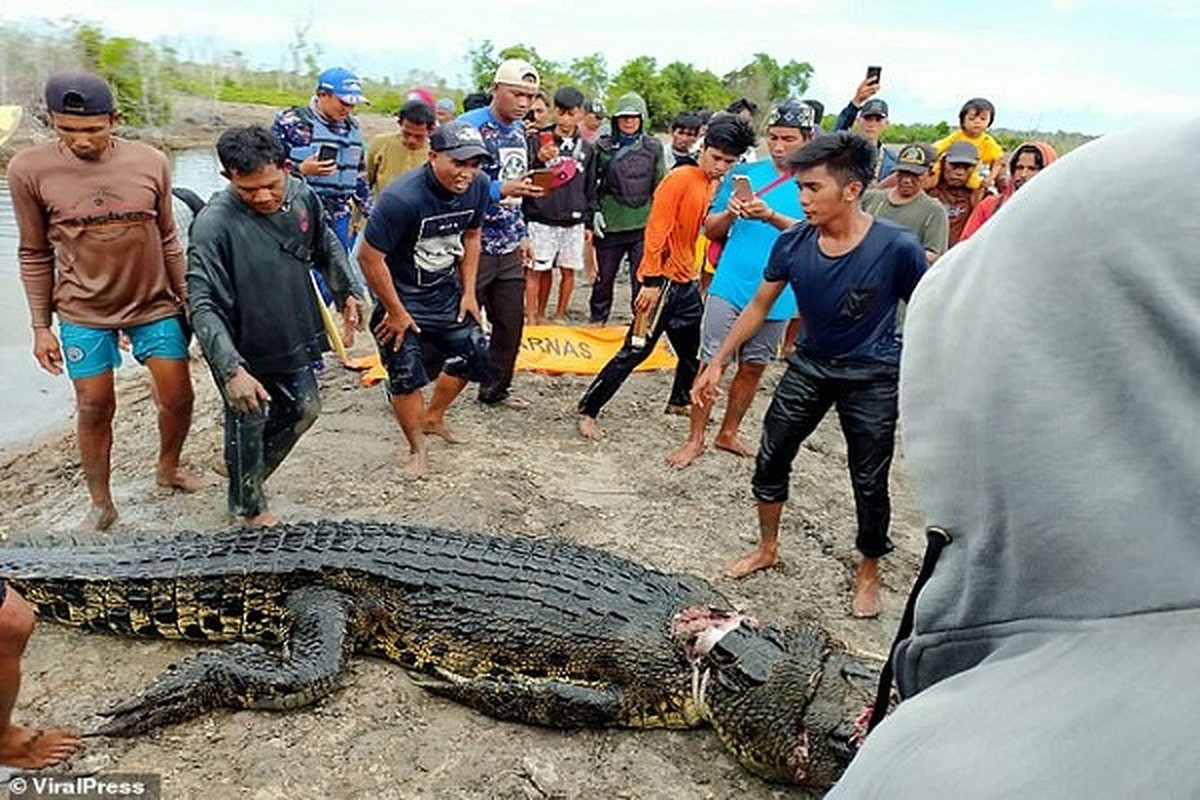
point(36, 257)
point(468, 272)
point(211, 299)
point(362, 187)
point(704, 389)
point(173, 259)
point(659, 225)
point(329, 256)
point(936, 235)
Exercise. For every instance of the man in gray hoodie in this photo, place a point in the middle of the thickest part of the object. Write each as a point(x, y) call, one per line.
point(1049, 390)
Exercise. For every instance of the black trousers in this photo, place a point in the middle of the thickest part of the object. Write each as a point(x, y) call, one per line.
point(865, 395)
point(679, 319)
point(609, 252)
point(256, 444)
point(500, 290)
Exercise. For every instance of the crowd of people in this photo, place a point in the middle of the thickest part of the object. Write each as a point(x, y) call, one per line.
point(448, 232)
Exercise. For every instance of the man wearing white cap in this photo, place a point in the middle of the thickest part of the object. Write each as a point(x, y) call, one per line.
point(506, 246)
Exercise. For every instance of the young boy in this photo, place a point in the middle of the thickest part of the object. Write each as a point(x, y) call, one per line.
point(560, 224)
point(974, 118)
point(667, 273)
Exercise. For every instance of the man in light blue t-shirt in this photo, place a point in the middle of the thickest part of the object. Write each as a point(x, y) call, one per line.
point(749, 226)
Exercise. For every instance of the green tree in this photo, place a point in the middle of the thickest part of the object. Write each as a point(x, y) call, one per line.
point(641, 75)
point(696, 89)
point(482, 63)
point(589, 74)
point(764, 80)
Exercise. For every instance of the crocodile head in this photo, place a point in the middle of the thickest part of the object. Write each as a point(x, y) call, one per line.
point(787, 704)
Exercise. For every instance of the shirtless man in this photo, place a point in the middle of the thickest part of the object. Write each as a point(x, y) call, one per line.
point(21, 747)
point(99, 250)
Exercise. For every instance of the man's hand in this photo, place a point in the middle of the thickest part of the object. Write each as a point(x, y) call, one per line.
point(707, 385)
point(547, 153)
point(866, 90)
point(598, 225)
point(525, 252)
point(351, 316)
point(469, 305)
point(244, 393)
point(647, 296)
point(520, 187)
point(392, 329)
point(47, 351)
point(314, 166)
point(755, 208)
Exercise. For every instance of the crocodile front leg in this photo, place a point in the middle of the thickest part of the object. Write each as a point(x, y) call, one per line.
point(557, 704)
point(247, 675)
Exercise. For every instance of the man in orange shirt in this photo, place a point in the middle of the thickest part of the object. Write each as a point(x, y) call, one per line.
point(670, 293)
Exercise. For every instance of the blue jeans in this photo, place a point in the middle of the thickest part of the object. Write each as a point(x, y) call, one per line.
point(255, 444)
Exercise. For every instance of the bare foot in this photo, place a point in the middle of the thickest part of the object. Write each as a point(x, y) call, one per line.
point(685, 454)
point(34, 749)
point(442, 430)
point(416, 469)
point(865, 603)
point(733, 444)
point(753, 561)
point(180, 480)
point(99, 518)
point(590, 429)
point(263, 520)
point(515, 403)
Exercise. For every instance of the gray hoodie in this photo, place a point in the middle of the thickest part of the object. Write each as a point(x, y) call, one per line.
point(1050, 400)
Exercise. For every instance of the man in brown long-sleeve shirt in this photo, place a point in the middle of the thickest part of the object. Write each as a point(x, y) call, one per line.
point(98, 248)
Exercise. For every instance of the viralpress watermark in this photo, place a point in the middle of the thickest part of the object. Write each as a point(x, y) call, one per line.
point(36, 785)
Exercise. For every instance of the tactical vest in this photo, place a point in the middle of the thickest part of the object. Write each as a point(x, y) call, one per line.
point(350, 153)
point(631, 170)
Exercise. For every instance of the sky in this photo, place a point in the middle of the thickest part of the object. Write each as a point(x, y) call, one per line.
point(1093, 66)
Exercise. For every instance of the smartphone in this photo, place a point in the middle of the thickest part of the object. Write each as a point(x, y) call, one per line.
point(546, 138)
point(542, 177)
point(741, 188)
point(874, 74)
point(328, 152)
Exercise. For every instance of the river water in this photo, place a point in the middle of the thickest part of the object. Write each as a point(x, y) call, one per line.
point(37, 401)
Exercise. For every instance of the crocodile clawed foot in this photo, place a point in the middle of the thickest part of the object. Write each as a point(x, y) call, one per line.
point(183, 691)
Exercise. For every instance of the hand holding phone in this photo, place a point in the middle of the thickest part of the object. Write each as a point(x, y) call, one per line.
point(327, 152)
point(874, 74)
point(741, 188)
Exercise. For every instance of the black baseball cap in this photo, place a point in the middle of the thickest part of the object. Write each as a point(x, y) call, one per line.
point(79, 93)
point(915, 158)
point(961, 153)
point(874, 108)
point(458, 140)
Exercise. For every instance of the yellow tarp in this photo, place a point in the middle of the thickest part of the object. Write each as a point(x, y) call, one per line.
point(555, 350)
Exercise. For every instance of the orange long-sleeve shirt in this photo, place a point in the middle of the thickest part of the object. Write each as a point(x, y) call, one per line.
point(676, 214)
point(97, 238)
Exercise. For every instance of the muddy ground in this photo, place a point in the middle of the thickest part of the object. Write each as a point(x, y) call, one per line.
point(523, 473)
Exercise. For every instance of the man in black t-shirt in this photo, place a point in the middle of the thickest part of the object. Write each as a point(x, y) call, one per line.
point(420, 255)
point(848, 273)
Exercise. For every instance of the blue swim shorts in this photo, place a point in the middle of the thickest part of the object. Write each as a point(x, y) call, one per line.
point(93, 351)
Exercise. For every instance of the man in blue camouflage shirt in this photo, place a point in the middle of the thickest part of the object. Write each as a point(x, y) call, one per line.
point(506, 247)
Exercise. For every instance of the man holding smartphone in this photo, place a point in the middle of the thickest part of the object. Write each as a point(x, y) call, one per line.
point(325, 147)
point(751, 208)
point(871, 113)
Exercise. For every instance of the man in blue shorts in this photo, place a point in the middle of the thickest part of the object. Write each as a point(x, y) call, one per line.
point(420, 255)
point(848, 272)
point(749, 227)
point(98, 249)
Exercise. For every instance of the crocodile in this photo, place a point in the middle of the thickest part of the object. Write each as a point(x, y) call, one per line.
point(528, 630)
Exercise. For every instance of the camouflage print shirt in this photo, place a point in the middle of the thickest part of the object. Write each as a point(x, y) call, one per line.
point(503, 224)
point(295, 131)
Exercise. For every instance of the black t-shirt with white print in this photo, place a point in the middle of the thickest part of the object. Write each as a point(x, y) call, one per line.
point(419, 227)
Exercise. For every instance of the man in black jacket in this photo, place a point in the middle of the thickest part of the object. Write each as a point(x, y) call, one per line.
point(560, 223)
point(254, 308)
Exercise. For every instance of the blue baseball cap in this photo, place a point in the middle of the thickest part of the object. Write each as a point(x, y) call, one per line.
point(344, 84)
